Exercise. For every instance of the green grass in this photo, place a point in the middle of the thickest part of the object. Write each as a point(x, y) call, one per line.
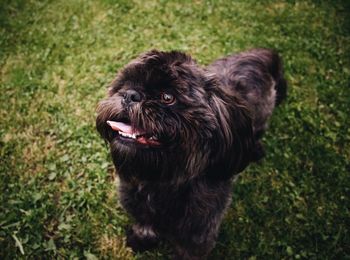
point(58, 198)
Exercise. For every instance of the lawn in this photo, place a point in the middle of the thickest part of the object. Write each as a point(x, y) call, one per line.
point(57, 182)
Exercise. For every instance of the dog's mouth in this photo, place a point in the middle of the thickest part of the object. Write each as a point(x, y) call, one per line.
point(127, 133)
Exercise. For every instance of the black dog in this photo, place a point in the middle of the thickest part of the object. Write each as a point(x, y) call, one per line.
point(178, 135)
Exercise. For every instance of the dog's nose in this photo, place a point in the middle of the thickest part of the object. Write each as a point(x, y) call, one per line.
point(131, 96)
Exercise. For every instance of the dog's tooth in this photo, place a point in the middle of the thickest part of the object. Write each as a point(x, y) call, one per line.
point(127, 135)
point(124, 134)
point(134, 135)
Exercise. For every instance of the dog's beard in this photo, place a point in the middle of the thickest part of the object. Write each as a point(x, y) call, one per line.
point(151, 144)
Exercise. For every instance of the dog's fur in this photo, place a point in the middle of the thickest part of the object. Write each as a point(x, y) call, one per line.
point(178, 191)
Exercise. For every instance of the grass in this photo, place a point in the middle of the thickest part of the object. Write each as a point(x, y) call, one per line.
point(58, 198)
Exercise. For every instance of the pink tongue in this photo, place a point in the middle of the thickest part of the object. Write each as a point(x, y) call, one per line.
point(118, 126)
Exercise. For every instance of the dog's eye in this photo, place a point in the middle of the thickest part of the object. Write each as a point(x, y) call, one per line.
point(167, 98)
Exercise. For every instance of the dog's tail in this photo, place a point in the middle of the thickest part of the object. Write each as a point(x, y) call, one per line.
point(277, 72)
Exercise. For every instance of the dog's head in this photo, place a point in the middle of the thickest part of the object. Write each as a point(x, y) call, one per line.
point(165, 118)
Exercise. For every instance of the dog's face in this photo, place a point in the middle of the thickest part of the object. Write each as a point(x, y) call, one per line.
point(166, 119)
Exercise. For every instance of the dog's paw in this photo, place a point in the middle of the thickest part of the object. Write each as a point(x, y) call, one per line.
point(141, 238)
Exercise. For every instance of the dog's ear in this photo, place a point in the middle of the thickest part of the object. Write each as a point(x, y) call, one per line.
point(233, 142)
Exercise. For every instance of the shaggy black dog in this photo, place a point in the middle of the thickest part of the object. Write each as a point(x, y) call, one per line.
point(179, 134)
